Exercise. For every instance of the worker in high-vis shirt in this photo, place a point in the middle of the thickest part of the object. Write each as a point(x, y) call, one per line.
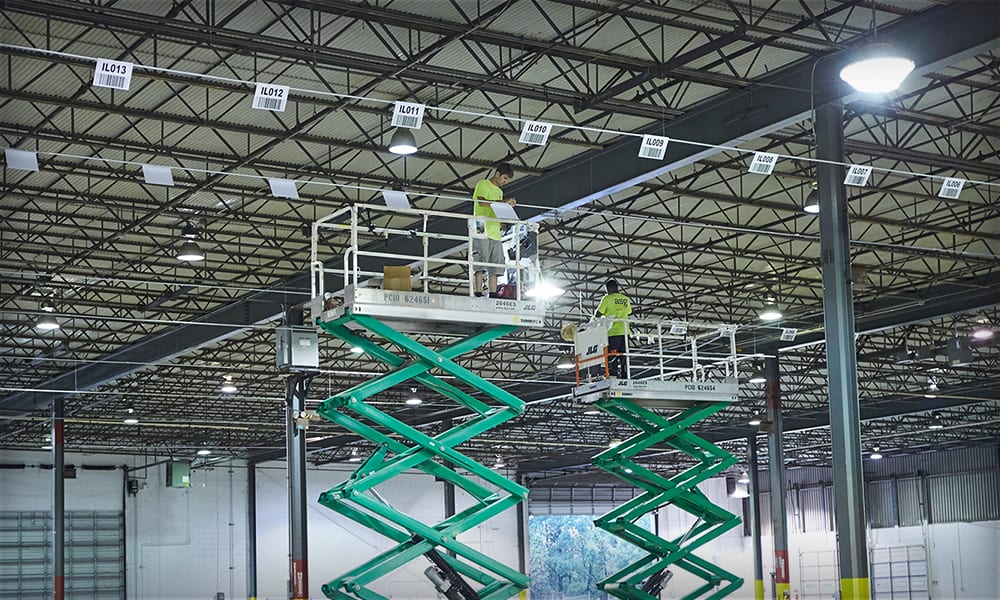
point(616, 305)
point(490, 248)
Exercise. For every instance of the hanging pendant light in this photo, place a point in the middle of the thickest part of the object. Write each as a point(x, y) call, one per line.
point(877, 69)
point(47, 323)
point(190, 252)
point(402, 142)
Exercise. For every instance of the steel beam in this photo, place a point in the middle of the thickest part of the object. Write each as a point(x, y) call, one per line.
point(251, 531)
point(58, 500)
point(841, 354)
point(296, 390)
point(776, 471)
point(758, 553)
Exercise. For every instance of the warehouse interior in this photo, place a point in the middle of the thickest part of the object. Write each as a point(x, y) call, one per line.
point(164, 370)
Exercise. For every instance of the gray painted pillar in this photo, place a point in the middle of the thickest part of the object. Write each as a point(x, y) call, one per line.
point(58, 499)
point(758, 552)
point(296, 389)
point(776, 463)
point(841, 355)
point(522, 530)
point(251, 531)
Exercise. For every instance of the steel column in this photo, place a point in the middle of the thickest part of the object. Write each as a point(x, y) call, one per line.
point(251, 531)
point(296, 390)
point(841, 354)
point(776, 462)
point(758, 553)
point(58, 499)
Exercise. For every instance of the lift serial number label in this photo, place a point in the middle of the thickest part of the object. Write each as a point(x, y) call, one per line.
point(700, 387)
point(409, 299)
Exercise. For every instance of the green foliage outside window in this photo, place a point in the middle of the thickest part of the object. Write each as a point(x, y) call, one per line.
point(568, 556)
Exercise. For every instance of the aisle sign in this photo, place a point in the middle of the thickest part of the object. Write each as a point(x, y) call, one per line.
point(535, 133)
point(408, 115)
point(857, 175)
point(951, 188)
point(113, 74)
point(653, 146)
point(269, 96)
point(763, 163)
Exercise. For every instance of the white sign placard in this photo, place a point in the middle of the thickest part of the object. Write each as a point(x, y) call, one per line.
point(590, 345)
point(269, 96)
point(158, 175)
point(857, 175)
point(653, 146)
point(503, 210)
point(395, 199)
point(788, 334)
point(951, 188)
point(408, 114)
point(763, 163)
point(22, 160)
point(535, 133)
point(283, 188)
point(113, 74)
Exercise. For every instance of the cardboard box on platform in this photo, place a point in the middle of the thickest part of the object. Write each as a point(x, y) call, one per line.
point(396, 278)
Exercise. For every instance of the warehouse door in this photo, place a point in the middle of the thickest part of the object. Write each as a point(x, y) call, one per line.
point(94, 555)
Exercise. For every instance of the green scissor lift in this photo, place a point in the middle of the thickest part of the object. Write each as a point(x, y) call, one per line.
point(662, 408)
point(402, 447)
point(641, 578)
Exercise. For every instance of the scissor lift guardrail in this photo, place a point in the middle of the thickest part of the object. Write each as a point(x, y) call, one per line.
point(376, 321)
point(662, 410)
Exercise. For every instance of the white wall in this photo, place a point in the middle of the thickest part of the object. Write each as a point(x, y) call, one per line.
point(180, 543)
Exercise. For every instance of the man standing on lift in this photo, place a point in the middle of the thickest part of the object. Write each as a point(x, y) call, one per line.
point(616, 305)
point(490, 249)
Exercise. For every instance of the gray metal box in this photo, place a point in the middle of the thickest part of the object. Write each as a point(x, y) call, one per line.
point(296, 347)
point(178, 473)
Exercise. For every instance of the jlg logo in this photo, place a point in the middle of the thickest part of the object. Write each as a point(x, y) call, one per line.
point(592, 349)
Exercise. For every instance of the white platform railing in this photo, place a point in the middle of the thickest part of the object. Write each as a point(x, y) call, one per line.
point(368, 224)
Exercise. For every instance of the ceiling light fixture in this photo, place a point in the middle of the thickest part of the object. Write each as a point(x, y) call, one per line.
point(402, 141)
point(875, 455)
point(544, 289)
point(754, 420)
point(47, 323)
point(190, 252)
point(811, 204)
point(877, 69)
point(757, 375)
point(566, 361)
point(414, 399)
point(932, 388)
point(499, 464)
point(935, 422)
point(47, 306)
point(354, 457)
point(614, 443)
point(769, 312)
point(228, 387)
point(203, 452)
point(130, 421)
point(980, 332)
point(744, 477)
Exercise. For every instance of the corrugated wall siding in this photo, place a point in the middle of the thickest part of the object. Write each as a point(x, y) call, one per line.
point(947, 487)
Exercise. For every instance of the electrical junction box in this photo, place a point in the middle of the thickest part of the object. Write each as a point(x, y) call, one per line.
point(296, 348)
point(179, 473)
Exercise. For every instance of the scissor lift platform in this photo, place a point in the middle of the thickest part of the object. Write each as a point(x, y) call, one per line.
point(425, 312)
point(653, 393)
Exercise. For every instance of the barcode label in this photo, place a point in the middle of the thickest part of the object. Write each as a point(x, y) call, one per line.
point(267, 96)
point(653, 146)
point(951, 188)
point(857, 175)
point(763, 163)
point(112, 74)
point(535, 133)
point(788, 334)
point(408, 114)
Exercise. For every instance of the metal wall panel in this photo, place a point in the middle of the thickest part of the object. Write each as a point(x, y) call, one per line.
point(965, 497)
point(814, 509)
point(880, 504)
point(910, 504)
